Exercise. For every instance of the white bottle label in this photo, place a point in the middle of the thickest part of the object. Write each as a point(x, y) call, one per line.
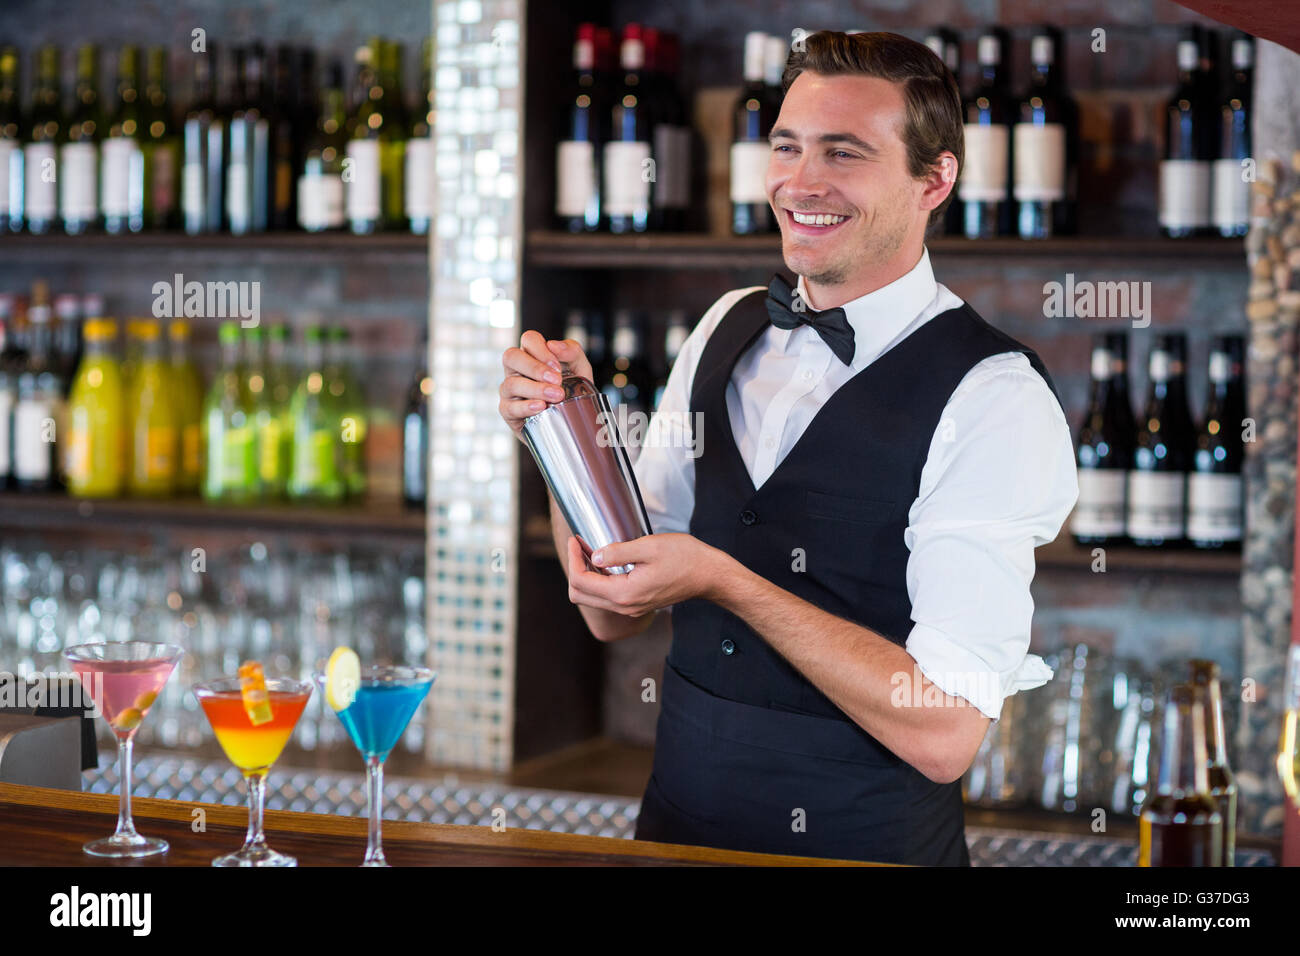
point(419, 178)
point(627, 178)
point(1100, 510)
point(238, 197)
point(363, 189)
point(984, 178)
point(1155, 504)
point(78, 181)
point(192, 189)
point(42, 194)
point(6, 411)
point(320, 202)
point(120, 155)
point(1231, 194)
point(1184, 193)
point(9, 149)
point(1040, 162)
point(32, 425)
point(575, 178)
point(749, 171)
point(1214, 507)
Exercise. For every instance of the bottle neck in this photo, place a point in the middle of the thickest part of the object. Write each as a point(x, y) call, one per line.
point(1183, 751)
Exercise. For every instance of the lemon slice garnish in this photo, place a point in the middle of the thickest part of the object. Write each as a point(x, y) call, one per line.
point(342, 677)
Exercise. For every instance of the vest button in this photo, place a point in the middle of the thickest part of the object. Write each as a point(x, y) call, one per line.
point(748, 517)
point(728, 647)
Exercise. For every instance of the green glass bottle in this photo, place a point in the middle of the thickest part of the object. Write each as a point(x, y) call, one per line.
point(45, 124)
point(79, 152)
point(161, 145)
point(350, 402)
point(11, 150)
point(187, 388)
point(393, 152)
point(376, 149)
point(276, 457)
point(121, 195)
point(320, 187)
point(230, 468)
point(418, 180)
point(316, 473)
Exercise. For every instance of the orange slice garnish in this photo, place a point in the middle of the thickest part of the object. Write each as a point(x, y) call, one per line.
point(252, 688)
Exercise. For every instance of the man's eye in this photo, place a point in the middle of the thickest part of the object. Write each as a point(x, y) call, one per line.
point(777, 149)
point(841, 154)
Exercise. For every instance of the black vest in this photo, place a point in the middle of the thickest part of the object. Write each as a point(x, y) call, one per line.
point(749, 754)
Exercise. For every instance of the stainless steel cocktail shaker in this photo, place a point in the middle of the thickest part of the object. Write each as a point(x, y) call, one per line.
point(580, 452)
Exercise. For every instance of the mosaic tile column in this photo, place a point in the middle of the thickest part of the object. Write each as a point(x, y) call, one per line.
point(475, 259)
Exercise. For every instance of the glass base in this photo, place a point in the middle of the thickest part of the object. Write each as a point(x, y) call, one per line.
point(126, 846)
point(259, 856)
point(376, 861)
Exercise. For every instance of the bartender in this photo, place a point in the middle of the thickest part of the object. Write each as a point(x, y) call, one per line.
point(847, 548)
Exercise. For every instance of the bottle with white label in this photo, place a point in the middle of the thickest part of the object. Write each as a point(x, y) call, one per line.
point(45, 124)
point(1230, 210)
point(586, 130)
point(38, 411)
point(363, 164)
point(628, 167)
point(79, 153)
point(1104, 454)
point(1162, 457)
point(984, 182)
point(753, 116)
point(320, 187)
point(121, 191)
point(672, 136)
point(1042, 142)
point(203, 176)
point(11, 149)
point(418, 179)
point(1185, 172)
point(249, 168)
point(1215, 506)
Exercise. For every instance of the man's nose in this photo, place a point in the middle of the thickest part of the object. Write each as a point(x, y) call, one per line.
point(806, 180)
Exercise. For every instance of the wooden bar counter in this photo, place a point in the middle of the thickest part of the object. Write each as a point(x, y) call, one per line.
point(40, 827)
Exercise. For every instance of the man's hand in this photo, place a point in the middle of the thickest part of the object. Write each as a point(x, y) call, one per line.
point(669, 569)
point(533, 373)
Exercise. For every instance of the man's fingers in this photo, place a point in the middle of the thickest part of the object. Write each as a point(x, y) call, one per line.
point(516, 387)
point(534, 343)
point(521, 362)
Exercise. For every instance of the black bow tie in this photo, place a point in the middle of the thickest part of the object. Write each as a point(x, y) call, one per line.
point(788, 310)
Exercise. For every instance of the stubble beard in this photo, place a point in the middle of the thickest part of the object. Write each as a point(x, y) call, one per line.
point(878, 246)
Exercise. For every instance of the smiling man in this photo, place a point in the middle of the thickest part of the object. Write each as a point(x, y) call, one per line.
point(848, 562)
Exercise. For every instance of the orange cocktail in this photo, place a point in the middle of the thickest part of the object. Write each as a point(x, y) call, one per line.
point(253, 747)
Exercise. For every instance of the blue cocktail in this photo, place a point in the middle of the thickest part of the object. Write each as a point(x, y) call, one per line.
point(374, 704)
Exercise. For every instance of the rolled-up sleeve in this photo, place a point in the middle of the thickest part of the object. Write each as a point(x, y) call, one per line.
point(1000, 480)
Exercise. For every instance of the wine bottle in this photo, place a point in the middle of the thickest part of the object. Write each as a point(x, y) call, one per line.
point(1215, 505)
point(393, 148)
point(12, 357)
point(628, 162)
point(248, 170)
point(415, 440)
point(161, 147)
point(1104, 455)
point(627, 378)
point(203, 176)
point(79, 153)
point(229, 441)
point(11, 149)
point(753, 117)
point(285, 145)
point(363, 193)
point(1180, 823)
point(38, 411)
point(1185, 171)
point(418, 176)
point(1157, 483)
point(984, 183)
point(1040, 141)
point(315, 470)
point(45, 123)
point(122, 191)
point(585, 131)
point(67, 335)
point(946, 45)
point(672, 132)
point(1231, 190)
point(320, 187)
point(187, 389)
point(349, 402)
point(1219, 776)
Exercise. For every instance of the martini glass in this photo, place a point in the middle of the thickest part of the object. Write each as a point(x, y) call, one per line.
point(123, 678)
point(386, 698)
point(253, 748)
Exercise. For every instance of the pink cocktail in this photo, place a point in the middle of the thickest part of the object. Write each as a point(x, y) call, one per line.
point(123, 679)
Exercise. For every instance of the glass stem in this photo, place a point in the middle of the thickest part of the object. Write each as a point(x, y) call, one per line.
point(375, 807)
point(256, 839)
point(125, 825)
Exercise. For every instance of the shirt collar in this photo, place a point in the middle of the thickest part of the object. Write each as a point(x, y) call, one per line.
point(878, 317)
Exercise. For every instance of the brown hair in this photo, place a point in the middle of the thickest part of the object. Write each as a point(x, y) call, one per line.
point(931, 97)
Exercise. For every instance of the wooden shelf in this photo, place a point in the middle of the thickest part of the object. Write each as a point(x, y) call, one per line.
point(562, 250)
point(51, 511)
point(1064, 554)
point(392, 248)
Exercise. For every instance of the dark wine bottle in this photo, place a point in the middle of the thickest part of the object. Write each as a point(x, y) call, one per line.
point(248, 171)
point(79, 154)
point(123, 177)
point(45, 122)
point(627, 378)
point(585, 130)
point(1157, 483)
point(1231, 203)
point(415, 440)
point(203, 178)
point(286, 143)
point(1104, 454)
point(984, 183)
point(1186, 169)
point(672, 132)
point(628, 171)
point(11, 149)
point(1041, 143)
point(753, 117)
point(1215, 507)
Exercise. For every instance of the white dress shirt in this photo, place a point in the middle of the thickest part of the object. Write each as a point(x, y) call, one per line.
point(999, 481)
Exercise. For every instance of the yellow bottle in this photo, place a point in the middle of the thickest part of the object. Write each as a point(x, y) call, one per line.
point(95, 417)
point(188, 392)
point(154, 440)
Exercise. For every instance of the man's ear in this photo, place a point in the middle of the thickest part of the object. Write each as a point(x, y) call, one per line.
point(939, 181)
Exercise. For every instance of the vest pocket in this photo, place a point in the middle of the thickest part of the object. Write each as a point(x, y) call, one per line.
point(857, 510)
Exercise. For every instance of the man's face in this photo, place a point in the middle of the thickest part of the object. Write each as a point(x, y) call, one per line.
point(836, 153)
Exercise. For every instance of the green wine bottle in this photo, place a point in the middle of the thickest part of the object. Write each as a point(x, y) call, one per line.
point(350, 403)
point(11, 150)
point(315, 474)
point(230, 470)
point(79, 152)
point(121, 197)
point(45, 125)
point(161, 145)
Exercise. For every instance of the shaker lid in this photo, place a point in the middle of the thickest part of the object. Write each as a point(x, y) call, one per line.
point(576, 386)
